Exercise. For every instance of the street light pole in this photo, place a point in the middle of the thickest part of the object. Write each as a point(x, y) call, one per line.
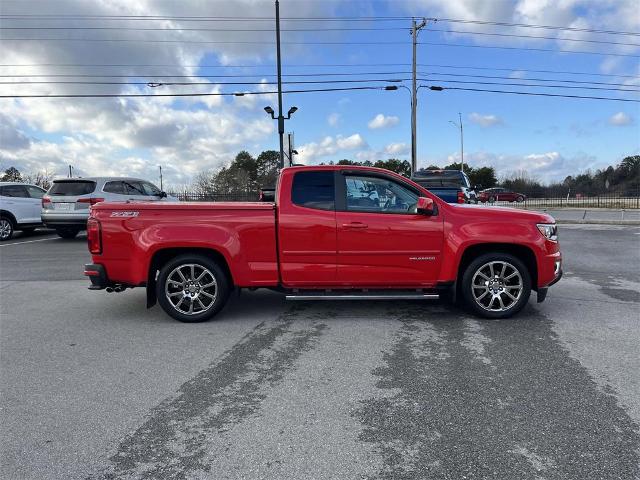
point(280, 116)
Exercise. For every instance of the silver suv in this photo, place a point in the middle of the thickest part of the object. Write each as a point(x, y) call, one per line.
point(65, 207)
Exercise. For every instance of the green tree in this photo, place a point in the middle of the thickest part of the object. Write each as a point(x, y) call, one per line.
point(483, 176)
point(267, 166)
point(401, 167)
point(11, 174)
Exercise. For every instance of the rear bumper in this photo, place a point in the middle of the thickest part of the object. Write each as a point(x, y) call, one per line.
point(65, 219)
point(98, 276)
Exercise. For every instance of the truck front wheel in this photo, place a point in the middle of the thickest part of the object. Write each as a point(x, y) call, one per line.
point(192, 288)
point(496, 285)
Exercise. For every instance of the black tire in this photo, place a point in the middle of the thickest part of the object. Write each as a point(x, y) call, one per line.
point(519, 199)
point(510, 308)
point(222, 288)
point(67, 233)
point(6, 228)
point(492, 199)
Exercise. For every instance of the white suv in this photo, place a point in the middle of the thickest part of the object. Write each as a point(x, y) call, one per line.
point(65, 207)
point(20, 205)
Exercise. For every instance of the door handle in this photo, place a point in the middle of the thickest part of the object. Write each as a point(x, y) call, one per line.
point(355, 225)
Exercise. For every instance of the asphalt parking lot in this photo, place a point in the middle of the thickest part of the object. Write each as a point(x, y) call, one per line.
point(95, 386)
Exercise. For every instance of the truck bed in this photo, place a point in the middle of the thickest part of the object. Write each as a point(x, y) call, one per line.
point(243, 232)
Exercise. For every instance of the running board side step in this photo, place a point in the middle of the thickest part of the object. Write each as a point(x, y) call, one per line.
point(362, 296)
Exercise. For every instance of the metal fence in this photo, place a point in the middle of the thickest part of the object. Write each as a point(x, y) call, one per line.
point(628, 199)
point(216, 197)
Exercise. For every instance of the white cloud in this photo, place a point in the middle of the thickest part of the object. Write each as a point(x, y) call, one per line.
point(620, 119)
point(329, 147)
point(546, 166)
point(397, 149)
point(485, 120)
point(333, 119)
point(382, 121)
point(132, 136)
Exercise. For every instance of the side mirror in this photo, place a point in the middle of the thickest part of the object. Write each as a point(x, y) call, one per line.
point(425, 206)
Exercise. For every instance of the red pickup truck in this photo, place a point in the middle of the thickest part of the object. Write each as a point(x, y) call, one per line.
point(334, 232)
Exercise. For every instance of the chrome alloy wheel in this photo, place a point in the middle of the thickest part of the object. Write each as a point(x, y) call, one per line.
point(5, 229)
point(191, 289)
point(497, 286)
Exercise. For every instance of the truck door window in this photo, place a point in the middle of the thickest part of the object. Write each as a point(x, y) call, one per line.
point(314, 190)
point(381, 195)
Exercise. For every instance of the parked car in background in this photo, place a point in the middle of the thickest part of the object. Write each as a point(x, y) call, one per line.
point(500, 195)
point(65, 207)
point(19, 208)
point(453, 186)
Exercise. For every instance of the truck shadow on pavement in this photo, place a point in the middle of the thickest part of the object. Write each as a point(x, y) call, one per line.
point(459, 398)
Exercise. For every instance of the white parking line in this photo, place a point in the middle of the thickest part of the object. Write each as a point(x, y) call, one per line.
point(28, 241)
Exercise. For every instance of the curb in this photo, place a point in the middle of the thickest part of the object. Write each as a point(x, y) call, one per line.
point(599, 222)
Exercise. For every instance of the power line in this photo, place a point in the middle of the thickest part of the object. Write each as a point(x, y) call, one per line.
point(524, 79)
point(319, 30)
point(305, 65)
point(158, 84)
point(532, 93)
point(529, 25)
point(218, 94)
point(517, 69)
point(243, 42)
point(160, 78)
point(583, 52)
point(513, 84)
point(304, 19)
point(512, 35)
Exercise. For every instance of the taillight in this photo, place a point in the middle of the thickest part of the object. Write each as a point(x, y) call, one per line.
point(94, 236)
point(91, 201)
point(46, 201)
point(460, 196)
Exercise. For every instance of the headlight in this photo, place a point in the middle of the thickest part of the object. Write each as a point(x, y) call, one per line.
point(549, 230)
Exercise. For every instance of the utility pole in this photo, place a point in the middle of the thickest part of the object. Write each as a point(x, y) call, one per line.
point(160, 166)
point(461, 143)
point(70, 173)
point(280, 116)
point(459, 125)
point(414, 95)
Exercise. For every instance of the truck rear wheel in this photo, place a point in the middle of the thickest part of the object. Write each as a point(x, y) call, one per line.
point(192, 288)
point(496, 285)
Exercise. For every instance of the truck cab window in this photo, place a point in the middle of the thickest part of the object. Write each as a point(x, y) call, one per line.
point(381, 195)
point(314, 190)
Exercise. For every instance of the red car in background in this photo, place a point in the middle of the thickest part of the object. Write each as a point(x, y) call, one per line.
point(500, 195)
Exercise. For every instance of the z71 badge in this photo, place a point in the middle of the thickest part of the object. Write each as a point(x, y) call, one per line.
point(129, 214)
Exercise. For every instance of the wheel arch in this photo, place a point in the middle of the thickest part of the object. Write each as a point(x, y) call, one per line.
point(522, 252)
point(162, 256)
point(10, 216)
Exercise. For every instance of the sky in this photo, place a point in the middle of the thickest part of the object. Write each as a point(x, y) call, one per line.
point(548, 137)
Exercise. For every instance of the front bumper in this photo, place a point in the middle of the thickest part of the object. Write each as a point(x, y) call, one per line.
point(542, 292)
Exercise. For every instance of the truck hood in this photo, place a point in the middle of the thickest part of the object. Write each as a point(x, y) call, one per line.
point(501, 213)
